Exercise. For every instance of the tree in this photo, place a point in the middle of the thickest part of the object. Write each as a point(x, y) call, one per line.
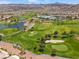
point(47, 36)
point(41, 50)
point(75, 17)
point(42, 40)
point(55, 35)
point(35, 48)
point(71, 33)
point(41, 45)
point(53, 53)
point(69, 17)
point(64, 35)
point(1, 37)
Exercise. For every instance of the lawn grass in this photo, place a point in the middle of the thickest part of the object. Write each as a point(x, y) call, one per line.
point(30, 39)
point(61, 47)
point(8, 31)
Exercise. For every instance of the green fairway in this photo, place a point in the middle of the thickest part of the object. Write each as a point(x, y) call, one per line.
point(31, 39)
point(8, 31)
point(61, 47)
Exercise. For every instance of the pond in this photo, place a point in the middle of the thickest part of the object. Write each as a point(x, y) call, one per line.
point(19, 25)
point(2, 26)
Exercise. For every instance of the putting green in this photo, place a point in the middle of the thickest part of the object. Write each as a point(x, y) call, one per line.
point(33, 33)
point(61, 47)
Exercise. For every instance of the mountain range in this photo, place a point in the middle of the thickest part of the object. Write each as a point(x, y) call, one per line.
point(41, 8)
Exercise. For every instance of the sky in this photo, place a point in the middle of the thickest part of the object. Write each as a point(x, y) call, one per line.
point(38, 1)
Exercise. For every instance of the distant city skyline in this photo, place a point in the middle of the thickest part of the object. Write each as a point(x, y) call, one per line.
point(38, 1)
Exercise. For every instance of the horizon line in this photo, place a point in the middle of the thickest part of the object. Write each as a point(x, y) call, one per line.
point(43, 3)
